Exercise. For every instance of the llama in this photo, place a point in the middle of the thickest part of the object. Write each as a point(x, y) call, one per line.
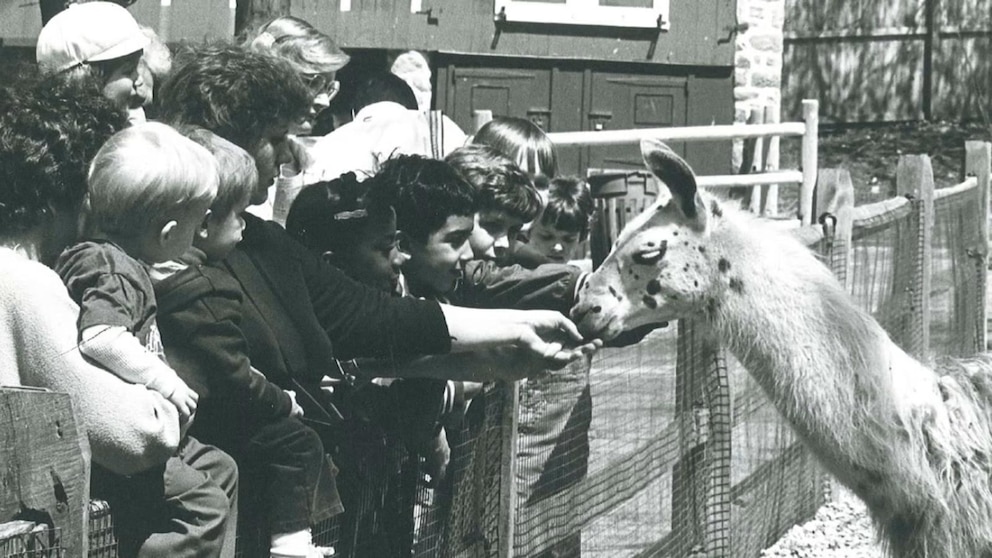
point(913, 443)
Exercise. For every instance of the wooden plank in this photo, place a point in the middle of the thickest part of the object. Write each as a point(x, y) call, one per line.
point(914, 177)
point(44, 476)
point(809, 163)
point(687, 133)
point(769, 193)
point(508, 470)
point(469, 28)
point(978, 163)
point(835, 197)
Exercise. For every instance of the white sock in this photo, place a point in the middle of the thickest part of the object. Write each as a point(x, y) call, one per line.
point(286, 545)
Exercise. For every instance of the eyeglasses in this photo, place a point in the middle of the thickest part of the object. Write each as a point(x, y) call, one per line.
point(322, 83)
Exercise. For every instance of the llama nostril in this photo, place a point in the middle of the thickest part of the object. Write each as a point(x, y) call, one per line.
point(596, 309)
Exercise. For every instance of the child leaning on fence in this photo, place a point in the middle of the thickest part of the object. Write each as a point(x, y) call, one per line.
point(149, 189)
point(287, 484)
point(391, 420)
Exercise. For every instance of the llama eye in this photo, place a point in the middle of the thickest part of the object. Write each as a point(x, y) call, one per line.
point(650, 257)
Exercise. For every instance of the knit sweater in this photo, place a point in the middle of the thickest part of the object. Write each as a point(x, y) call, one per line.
point(129, 427)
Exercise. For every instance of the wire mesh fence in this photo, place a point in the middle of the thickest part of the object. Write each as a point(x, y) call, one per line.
point(668, 447)
point(958, 291)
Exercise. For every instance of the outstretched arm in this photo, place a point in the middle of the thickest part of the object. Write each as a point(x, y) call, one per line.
point(503, 364)
point(544, 333)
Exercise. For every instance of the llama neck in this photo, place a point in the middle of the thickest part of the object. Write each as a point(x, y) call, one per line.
point(792, 325)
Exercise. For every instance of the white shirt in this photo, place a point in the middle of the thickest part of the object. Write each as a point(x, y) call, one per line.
point(379, 131)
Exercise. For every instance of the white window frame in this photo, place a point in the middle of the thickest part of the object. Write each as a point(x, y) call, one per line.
point(584, 12)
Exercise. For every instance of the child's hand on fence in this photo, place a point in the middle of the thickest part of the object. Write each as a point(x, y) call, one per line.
point(296, 410)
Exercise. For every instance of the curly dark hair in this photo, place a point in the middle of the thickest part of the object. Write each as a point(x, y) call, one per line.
point(49, 133)
point(502, 185)
point(237, 94)
point(424, 192)
point(333, 215)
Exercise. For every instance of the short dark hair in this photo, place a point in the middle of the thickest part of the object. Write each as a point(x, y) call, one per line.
point(236, 94)
point(49, 132)
point(569, 206)
point(383, 86)
point(502, 185)
point(424, 192)
point(333, 215)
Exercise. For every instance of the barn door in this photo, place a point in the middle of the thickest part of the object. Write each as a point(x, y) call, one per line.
point(622, 101)
point(506, 92)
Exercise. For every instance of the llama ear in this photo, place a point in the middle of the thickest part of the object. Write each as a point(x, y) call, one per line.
point(677, 176)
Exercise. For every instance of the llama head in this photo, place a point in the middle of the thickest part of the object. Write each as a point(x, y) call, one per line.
point(659, 269)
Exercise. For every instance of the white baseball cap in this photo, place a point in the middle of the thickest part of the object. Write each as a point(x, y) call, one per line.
point(88, 32)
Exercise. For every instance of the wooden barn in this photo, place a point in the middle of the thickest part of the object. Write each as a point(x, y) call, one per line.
point(566, 64)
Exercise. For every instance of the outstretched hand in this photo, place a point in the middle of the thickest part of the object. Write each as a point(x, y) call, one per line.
point(553, 337)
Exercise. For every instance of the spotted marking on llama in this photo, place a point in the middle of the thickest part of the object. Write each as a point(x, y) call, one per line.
point(737, 285)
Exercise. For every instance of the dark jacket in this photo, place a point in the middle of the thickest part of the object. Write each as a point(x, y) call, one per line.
point(199, 316)
point(301, 313)
point(546, 287)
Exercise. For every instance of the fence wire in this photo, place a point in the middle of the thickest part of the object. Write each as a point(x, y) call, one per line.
point(957, 295)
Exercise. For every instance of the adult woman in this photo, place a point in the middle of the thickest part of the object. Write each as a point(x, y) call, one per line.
point(312, 54)
point(48, 134)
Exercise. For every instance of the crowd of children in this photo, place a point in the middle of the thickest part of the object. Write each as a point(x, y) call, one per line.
point(321, 370)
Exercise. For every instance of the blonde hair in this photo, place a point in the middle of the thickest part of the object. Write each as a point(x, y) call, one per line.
point(147, 175)
point(236, 167)
point(306, 49)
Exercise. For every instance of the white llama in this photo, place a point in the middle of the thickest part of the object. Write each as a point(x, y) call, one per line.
point(913, 443)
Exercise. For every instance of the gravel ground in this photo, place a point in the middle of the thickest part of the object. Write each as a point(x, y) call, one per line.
point(840, 529)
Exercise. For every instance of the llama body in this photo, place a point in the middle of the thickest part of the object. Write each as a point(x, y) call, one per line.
point(914, 445)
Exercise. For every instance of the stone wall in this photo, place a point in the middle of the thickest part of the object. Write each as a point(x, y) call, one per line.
point(758, 59)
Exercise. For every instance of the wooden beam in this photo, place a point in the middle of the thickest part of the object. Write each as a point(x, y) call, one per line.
point(45, 474)
point(914, 179)
point(978, 163)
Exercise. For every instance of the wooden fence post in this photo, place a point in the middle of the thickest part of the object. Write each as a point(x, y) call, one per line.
point(45, 474)
point(977, 162)
point(835, 197)
point(754, 156)
point(811, 115)
point(769, 192)
point(701, 483)
point(914, 178)
point(508, 469)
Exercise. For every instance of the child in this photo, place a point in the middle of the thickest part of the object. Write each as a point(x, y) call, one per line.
point(507, 197)
point(554, 237)
point(101, 40)
point(284, 472)
point(149, 189)
point(522, 141)
point(337, 220)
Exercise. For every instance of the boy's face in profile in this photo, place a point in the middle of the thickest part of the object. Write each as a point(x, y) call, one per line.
point(493, 228)
point(221, 233)
point(436, 265)
point(374, 259)
point(546, 244)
